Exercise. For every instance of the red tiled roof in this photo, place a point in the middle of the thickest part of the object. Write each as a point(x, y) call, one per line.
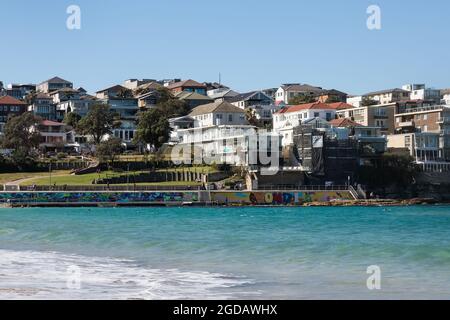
point(8, 100)
point(49, 123)
point(306, 106)
point(344, 122)
point(340, 105)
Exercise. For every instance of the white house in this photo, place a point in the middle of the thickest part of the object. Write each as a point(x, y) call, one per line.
point(420, 92)
point(238, 145)
point(355, 101)
point(285, 120)
point(218, 113)
point(291, 90)
point(219, 133)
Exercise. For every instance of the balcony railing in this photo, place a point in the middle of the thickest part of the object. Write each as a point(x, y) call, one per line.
point(444, 120)
point(422, 109)
point(404, 124)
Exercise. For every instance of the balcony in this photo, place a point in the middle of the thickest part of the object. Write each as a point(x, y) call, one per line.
point(380, 115)
point(421, 109)
point(444, 120)
point(406, 124)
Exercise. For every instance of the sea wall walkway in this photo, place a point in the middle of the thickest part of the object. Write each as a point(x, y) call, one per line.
point(171, 197)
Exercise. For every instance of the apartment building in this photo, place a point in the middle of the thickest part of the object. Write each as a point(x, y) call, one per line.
point(424, 147)
point(43, 106)
point(421, 92)
point(285, 120)
point(426, 118)
point(20, 91)
point(381, 116)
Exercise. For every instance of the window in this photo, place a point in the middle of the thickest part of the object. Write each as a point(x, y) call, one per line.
point(230, 118)
point(407, 141)
point(316, 114)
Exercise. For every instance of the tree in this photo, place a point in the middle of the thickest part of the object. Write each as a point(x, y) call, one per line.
point(173, 108)
point(109, 149)
point(125, 93)
point(164, 94)
point(391, 169)
point(250, 116)
point(301, 99)
point(99, 122)
point(29, 98)
point(71, 119)
point(21, 135)
point(367, 102)
point(333, 99)
point(153, 128)
point(169, 105)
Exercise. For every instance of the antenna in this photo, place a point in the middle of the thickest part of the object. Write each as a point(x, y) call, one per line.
point(220, 78)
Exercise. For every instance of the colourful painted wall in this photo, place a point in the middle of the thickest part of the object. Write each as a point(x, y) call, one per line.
point(279, 198)
point(220, 197)
point(98, 197)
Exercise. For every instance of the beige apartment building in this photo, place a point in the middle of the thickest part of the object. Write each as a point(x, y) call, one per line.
point(381, 116)
point(424, 118)
point(424, 147)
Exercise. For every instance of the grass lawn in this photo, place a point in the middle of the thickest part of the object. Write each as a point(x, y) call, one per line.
point(69, 179)
point(88, 178)
point(10, 177)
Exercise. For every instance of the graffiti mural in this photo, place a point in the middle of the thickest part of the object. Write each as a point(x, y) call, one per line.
point(278, 198)
point(98, 197)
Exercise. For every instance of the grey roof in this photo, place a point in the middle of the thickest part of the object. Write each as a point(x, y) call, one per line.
point(334, 91)
point(185, 95)
point(56, 80)
point(218, 93)
point(246, 96)
point(219, 106)
point(113, 88)
point(385, 91)
point(302, 87)
point(64, 90)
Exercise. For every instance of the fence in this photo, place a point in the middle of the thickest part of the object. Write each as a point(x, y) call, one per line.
point(303, 188)
point(104, 188)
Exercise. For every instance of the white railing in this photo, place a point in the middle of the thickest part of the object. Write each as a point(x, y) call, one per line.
point(424, 108)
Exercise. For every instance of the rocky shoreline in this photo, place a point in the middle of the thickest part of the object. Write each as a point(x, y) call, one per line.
point(376, 203)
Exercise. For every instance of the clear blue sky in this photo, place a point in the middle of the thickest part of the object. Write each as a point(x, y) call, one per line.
point(254, 44)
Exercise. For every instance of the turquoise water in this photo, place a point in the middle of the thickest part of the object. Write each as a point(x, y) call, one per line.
point(224, 253)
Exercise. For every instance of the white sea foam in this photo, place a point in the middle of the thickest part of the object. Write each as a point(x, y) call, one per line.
point(47, 275)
